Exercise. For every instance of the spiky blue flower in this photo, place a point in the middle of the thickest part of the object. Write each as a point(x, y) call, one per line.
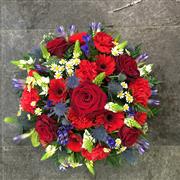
point(72, 82)
point(100, 134)
point(58, 110)
point(114, 87)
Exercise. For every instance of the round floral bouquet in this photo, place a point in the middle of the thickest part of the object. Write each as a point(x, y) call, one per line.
point(85, 97)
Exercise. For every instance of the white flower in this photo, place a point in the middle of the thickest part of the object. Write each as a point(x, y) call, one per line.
point(38, 111)
point(30, 61)
point(146, 69)
point(62, 61)
point(33, 103)
point(45, 80)
point(51, 149)
point(120, 95)
point(58, 75)
point(126, 107)
point(129, 98)
point(124, 85)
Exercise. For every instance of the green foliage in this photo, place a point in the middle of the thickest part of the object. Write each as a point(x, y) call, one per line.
point(114, 159)
point(136, 52)
point(77, 50)
point(46, 55)
point(90, 167)
point(122, 45)
point(50, 151)
point(35, 139)
point(11, 120)
point(132, 123)
point(88, 141)
point(69, 52)
point(153, 81)
point(99, 78)
point(117, 38)
point(122, 77)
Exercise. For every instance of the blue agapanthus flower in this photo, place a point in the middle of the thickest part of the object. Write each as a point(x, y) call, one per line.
point(110, 142)
point(18, 84)
point(88, 41)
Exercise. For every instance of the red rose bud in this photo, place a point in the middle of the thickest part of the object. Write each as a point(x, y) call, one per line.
point(77, 36)
point(88, 99)
point(127, 65)
point(103, 42)
point(74, 142)
point(128, 135)
point(57, 46)
point(46, 128)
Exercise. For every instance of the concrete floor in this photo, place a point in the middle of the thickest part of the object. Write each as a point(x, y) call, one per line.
point(155, 23)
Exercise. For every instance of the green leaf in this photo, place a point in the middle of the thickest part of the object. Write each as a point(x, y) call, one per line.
point(15, 62)
point(45, 53)
point(122, 45)
point(114, 107)
point(50, 151)
point(122, 77)
point(90, 167)
point(130, 122)
point(117, 38)
point(99, 78)
point(88, 141)
point(140, 108)
point(11, 120)
point(35, 139)
point(77, 50)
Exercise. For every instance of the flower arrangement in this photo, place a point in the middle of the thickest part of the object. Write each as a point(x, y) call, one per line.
point(85, 97)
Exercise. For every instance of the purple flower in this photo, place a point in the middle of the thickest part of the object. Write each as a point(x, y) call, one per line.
point(154, 102)
point(60, 30)
point(88, 42)
point(154, 92)
point(131, 112)
point(18, 84)
point(95, 27)
point(48, 104)
point(72, 29)
point(142, 57)
point(142, 145)
point(40, 68)
point(110, 142)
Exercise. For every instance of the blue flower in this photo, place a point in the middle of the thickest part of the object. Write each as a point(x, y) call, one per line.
point(60, 30)
point(72, 29)
point(72, 82)
point(63, 134)
point(110, 142)
point(88, 42)
point(48, 104)
point(58, 110)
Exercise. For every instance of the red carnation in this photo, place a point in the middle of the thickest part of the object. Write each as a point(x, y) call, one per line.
point(57, 90)
point(74, 142)
point(103, 42)
point(127, 65)
point(77, 36)
point(79, 122)
point(88, 99)
point(97, 153)
point(29, 100)
point(46, 128)
point(86, 71)
point(140, 117)
point(141, 90)
point(128, 135)
point(112, 121)
point(105, 64)
point(57, 46)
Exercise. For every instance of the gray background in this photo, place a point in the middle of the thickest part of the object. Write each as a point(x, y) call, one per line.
point(155, 23)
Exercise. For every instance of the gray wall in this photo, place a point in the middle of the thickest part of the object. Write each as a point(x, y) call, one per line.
point(155, 23)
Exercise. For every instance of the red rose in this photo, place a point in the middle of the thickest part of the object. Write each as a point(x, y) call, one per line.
point(105, 64)
point(103, 42)
point(88, 99)
point(74, 142)
point(141, 90)
point(29, 100)
point(57, 90)
point(128, 135)
point(77, 36)
point(86, 71)
point(46, 128)
point(140, 117)
point(97, 153)
point(111, 121)
point(79, 122)
point(57, 46)
point(127, 65)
